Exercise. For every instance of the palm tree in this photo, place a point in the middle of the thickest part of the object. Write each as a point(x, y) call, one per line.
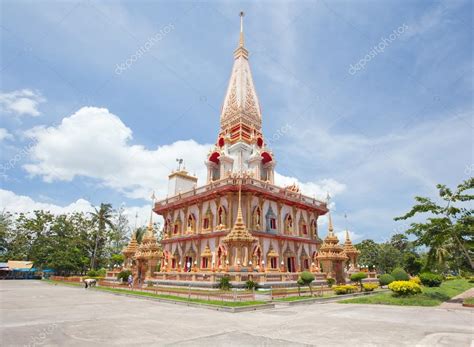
point(102, 218)
point(139, 233)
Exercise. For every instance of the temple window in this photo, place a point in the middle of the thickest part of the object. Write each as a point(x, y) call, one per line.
point(176, 228)
point(274, 263)
point(304, 229)
point(273, 223)
point(205, 223)
point(207, 220)
point(205, 263)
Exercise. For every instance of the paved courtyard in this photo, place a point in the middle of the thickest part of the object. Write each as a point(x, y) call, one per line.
point(40, 314)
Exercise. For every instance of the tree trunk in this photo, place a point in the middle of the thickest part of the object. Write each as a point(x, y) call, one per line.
point(466, 253)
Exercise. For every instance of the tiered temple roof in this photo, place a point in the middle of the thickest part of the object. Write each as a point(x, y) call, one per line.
point(131, 248)
point(349, 248)
point(239, 232)
point(331, 249)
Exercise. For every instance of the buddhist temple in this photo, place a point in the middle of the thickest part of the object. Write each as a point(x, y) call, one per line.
point(238, 223)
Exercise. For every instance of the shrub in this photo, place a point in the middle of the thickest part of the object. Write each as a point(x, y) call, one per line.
point(330, 281)
point(307, 277)
point(92, 273)
point(344, 289)
point(450, 278)
point(224, 283)
point(404, 288)
point(123, 275)
point(416, 280)
point(101, 272)
point(430, 279)
point(386, 279)
point(251, 285)
point(358, 277)
point(369, 287)
point(399, 274)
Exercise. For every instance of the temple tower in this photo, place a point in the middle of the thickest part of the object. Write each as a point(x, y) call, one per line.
point(240, 145)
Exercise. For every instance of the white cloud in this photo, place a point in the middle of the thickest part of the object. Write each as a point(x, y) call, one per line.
point(13, 203)
point(95, 143)
point(21, 102)
point(319, 188)
point(5, 135)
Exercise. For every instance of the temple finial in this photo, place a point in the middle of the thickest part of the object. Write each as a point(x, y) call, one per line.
point(347, 235)
point(330, 226)
point(150, 224)
point(241, 41)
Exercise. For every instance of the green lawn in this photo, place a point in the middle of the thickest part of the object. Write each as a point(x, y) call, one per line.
point(469, 301)
point(429, 297)
point(168, 297)
point(305, 297)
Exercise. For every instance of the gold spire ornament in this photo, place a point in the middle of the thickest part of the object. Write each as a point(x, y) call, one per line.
point(241, 41)
point(239, 232)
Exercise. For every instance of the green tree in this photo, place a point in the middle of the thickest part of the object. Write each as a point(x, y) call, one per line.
point(119, 232)
point(101, 219)
point(306, 278)
point(388, 258)
point(412, 263)
point(369, 252)
point(449, 225)
point(400, 242)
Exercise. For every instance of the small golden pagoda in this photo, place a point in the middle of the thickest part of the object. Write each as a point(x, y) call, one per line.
point(149, 251)
point(331, 255)
point(129, 252)
point(351, 252)
point(239, 240)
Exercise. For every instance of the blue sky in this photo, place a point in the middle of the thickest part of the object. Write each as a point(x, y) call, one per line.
point(77, 130)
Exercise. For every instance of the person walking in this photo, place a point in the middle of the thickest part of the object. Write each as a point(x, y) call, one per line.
point(130, 281)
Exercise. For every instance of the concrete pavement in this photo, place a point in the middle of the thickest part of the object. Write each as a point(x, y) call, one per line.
point(40, 314)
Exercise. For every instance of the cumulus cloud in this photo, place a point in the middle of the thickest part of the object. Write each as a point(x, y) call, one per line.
point(95, 143)
point(319, 188)
point(11, 202)
point(22, 102)
point(5, 135)
point(14, 203)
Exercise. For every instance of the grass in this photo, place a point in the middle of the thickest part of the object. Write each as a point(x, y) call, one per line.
point(469, 301)
point(167, 297)
point(429, 297)
point(305, 297)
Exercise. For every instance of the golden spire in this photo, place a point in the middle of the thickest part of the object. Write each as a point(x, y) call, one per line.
point(239, 232)
point(241, 51)
point(150, 223)
point(330, 226)
point(241, 41)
